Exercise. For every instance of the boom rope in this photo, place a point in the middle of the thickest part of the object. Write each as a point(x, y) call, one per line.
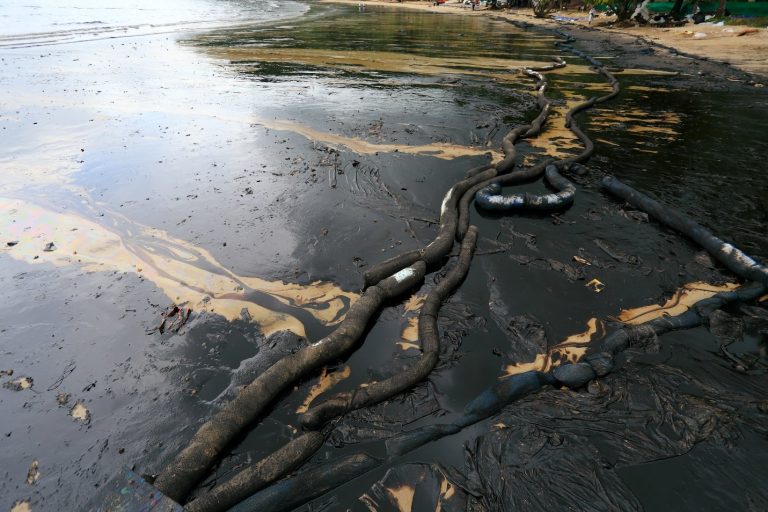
point(430, 255)
point(391, 279)
point(375, 392)
point(193, 463)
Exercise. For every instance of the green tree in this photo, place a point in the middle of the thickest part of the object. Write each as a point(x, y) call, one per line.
point(677, 9)
point(721, 9)
point(543, 7)
point(622, 8)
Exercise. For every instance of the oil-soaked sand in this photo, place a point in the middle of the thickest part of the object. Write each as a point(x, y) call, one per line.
point(253, 171)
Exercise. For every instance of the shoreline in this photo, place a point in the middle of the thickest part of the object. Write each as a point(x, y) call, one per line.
point(720, 55)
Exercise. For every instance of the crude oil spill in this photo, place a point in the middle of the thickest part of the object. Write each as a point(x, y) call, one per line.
point(569, 350)
point(314, 148)
point(327, 380)
point(680, 302)
point(187, 274)
point(362, 147)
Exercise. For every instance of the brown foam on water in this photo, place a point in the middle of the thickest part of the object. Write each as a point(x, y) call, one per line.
point(444, 151)
point(392, 62)
point(326, 382)
point(644, 72)
point(184, 272)
point(402, 496)
point(447, 491)
point(678, 304)
point(409, 336)
point(645, 88)
point(573, 348)
point(569, 350)
point(413, 303)
point(556, 139)
point(660, 124)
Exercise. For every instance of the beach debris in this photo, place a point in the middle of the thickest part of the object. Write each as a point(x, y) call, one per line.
point(699, 35)
point(80, 413)
point(49, 247)
point(579, 259)
point(681, 301)
point(747, 31)
point(62, 398)
point(68, 369)
point(571, 272)
point(634, 215)
point(12, 243)
point(19, 384)
point(6, 372)
point(595, 285)
point(616, 254)
point(178, 315)
point(33, 475)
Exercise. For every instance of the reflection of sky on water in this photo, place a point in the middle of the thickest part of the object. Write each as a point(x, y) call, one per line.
point(69, 20)
point(60, 104)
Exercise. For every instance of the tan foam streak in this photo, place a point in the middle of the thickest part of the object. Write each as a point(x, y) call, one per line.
point(403, 497)
point(409, 337)
point(185, 273)
point(556, 139)
point(678, 304)
point(438, 150)
point(571, 350)
point(392, 62)
point(326, 382)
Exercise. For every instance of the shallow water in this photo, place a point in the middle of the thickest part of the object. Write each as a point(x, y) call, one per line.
point(251, 170)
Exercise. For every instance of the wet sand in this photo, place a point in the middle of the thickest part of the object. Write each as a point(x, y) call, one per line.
point(743, 48)
point(251, 172)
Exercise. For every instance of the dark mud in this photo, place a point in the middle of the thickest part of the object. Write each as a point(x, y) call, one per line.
point(282, 154)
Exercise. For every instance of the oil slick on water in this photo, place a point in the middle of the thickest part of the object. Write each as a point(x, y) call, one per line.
point(184, 272)
point(574, 347)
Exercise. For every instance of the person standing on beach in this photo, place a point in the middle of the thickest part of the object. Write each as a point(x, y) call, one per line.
point(591, 15)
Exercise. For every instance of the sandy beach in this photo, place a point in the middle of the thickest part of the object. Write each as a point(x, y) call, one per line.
point(744, 48)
